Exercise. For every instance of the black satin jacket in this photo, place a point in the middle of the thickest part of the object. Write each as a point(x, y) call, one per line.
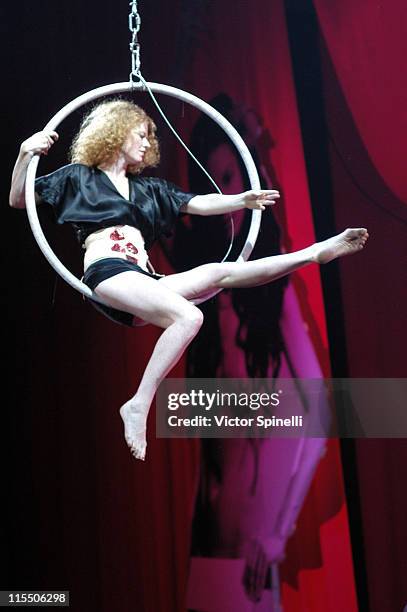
point(86, 198)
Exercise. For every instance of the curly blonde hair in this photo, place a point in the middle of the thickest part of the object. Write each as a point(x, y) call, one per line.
point(105, 129)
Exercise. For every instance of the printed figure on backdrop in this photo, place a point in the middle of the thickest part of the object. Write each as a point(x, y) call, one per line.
point(249, 493)
point(118, 214)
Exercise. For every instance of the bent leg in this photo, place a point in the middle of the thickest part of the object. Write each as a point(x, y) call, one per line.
point(145, 298)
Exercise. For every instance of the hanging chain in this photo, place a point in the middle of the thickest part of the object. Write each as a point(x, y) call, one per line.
point(134, 27)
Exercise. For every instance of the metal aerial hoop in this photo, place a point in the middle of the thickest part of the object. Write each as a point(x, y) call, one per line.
point(138, 85)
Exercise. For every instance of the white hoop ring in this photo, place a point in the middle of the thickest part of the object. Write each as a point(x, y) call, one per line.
point(130, 87)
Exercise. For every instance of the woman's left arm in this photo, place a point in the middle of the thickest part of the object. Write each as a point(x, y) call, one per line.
point(219, 204)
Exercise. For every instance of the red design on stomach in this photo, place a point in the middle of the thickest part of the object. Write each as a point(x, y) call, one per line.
point(130, 247)
point(116, 235)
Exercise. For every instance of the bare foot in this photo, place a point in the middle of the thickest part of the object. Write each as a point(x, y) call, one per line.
point(134, 429)
point(348, 242)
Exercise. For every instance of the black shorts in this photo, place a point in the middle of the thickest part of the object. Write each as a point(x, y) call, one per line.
point(106, 268)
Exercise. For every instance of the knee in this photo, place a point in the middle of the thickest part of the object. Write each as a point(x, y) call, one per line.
point(192, 320)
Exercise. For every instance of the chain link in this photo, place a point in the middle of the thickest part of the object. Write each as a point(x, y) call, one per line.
point(134, 27)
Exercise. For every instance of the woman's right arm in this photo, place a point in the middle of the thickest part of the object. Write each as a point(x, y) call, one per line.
point(40, 144)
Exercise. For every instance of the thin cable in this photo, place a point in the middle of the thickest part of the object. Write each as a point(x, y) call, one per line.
point(178, 137)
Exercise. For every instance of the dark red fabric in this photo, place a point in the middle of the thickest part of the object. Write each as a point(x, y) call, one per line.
point(366, 41)
point(365, 89)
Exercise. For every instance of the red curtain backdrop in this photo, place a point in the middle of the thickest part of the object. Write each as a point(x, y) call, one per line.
point(365, 91)
point(366, 41)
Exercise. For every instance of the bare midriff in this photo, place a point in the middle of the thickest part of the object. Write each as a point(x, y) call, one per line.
point(121, 241)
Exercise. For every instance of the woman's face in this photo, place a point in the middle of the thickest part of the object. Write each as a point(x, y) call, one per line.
point(136, 144)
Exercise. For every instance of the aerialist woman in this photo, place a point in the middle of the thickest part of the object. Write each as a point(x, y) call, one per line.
point(118, 215)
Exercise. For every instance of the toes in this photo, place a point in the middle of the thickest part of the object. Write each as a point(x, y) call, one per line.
point(138, 453)
point(360, 232)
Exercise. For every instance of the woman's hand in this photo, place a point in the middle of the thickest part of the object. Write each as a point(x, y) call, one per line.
point(39, 143)
point(260, 554)
point(259, 199)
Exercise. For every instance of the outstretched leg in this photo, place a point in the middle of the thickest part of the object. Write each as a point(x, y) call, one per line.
point(195, 283)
